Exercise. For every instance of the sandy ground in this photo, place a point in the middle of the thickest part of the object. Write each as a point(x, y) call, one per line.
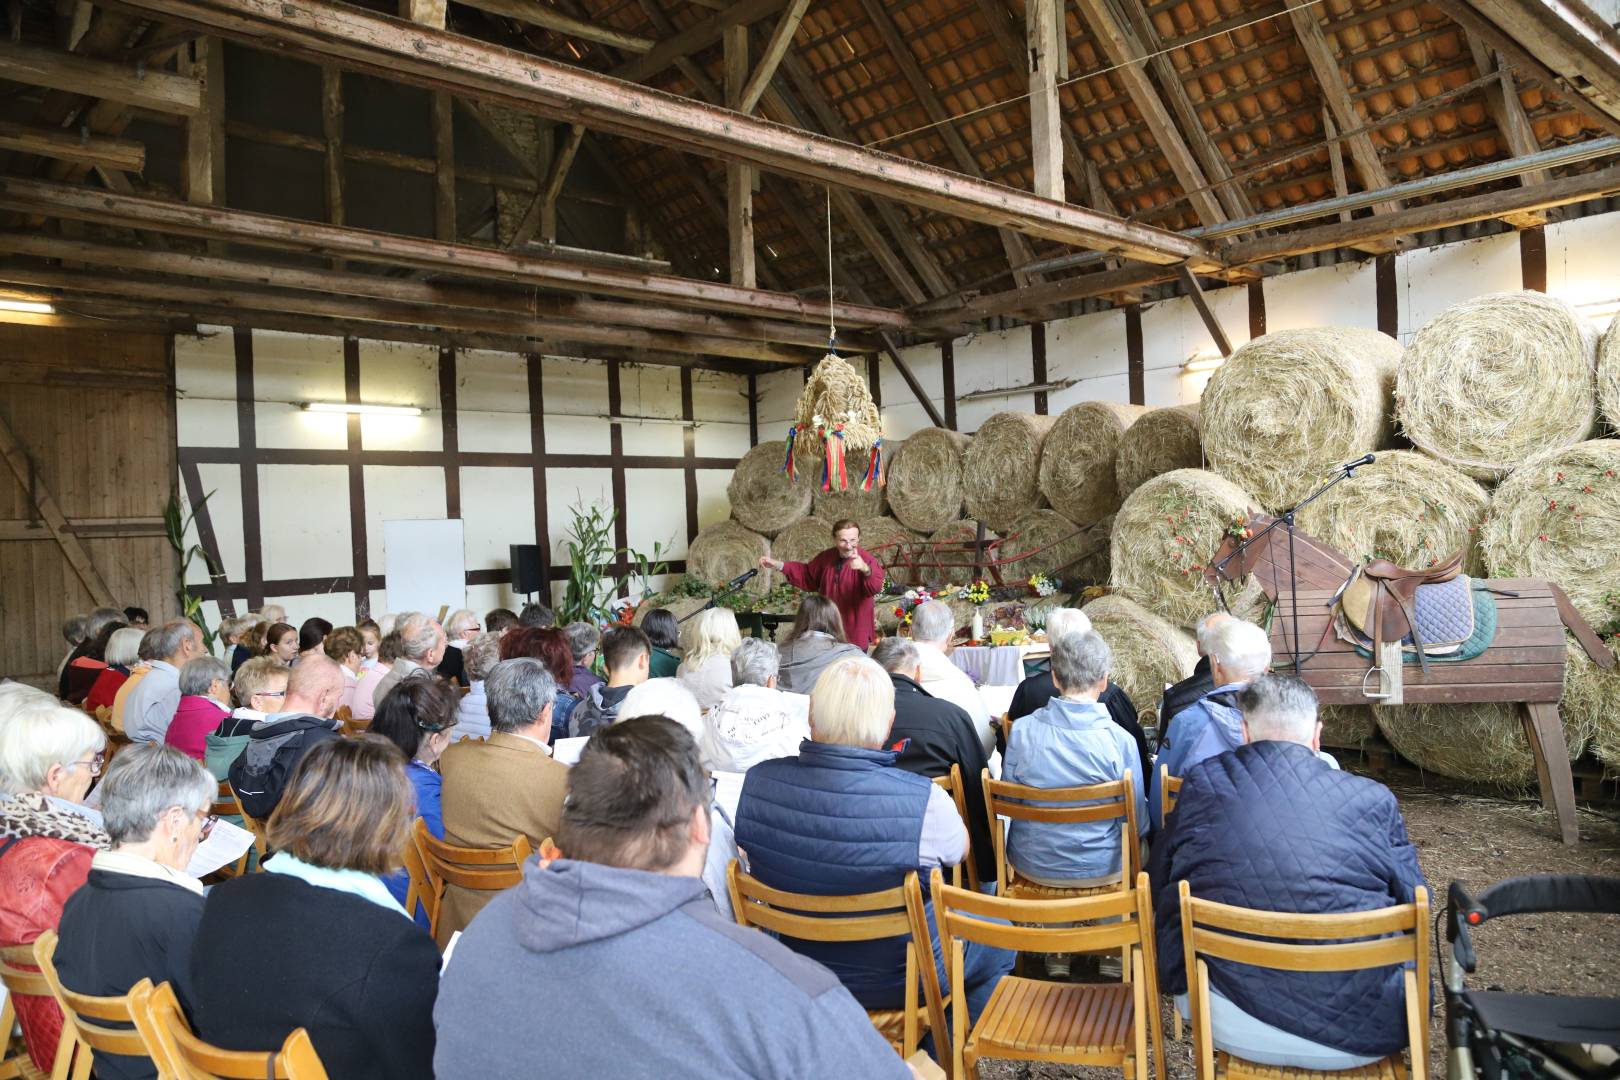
point(1477, 840)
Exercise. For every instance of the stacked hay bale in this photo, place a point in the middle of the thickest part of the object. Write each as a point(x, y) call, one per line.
point(1287, 408)
point(1404, 507)
point(854, 503)
point(1608, 376)
point(1590, 709)
point(1346, 725)
point(1077, 471)
point(925, 482)
point(1160, 441)
point(1057, 547)
point(876, 532)
point(803, 540)
point(680, 607)
point(726, 550)
point(1483, 743)
point(763, 498)
point(1165, 534)
point(1148, 651)
point(1494, 380)
point(1001, 468)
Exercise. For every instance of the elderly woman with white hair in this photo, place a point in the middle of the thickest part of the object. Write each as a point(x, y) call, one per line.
point(137, 914)
point(472, 709)
point(933, 624)
point(755, 720)
point(122, 653)
point(1034, 692)
point(706, 669)
point(840, 818)
point(460, 628)
point(49, 756)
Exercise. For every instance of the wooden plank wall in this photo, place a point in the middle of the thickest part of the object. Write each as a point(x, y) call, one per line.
point(94, 411)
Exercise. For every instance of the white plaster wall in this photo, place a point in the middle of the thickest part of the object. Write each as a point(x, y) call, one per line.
point(1344, 294)
point(1583, 263)
point(1429, 280)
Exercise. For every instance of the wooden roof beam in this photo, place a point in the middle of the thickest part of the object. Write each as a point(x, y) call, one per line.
point(770, 58)
point(126, 155)
point(1570, 39)
point(162, 91)
point(1502, 100)
point(538, 13)
point(695, 38)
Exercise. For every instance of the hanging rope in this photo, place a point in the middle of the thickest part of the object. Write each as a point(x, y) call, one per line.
point(832, 327)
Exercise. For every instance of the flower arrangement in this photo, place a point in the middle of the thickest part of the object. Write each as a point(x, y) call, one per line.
point(908, 603)
point(1041, 585)
point(976, 593)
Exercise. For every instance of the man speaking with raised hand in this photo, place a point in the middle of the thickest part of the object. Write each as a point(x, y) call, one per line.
point(847, 574)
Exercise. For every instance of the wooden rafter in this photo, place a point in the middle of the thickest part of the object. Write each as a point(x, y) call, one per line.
point(770, 57)
point(693, 39)
point(539, 13)
point(125, 155)
point(161, 91)
point(1502, 99)
point(1568, 37)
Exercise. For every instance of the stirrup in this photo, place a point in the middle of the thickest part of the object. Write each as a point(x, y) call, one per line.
point(1382, 676)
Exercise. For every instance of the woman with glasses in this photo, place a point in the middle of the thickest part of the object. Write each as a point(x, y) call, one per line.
point(418, 716)
point(49, 756)
point(459, 630)
point(137, 914)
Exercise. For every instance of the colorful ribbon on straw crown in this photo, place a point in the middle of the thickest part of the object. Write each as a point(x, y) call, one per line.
point(833, 464)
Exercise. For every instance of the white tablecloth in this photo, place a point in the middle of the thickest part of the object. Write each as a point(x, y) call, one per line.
point(991, 665)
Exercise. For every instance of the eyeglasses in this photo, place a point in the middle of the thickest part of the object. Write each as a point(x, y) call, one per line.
point(209, 821)
point(271, 693)
point(95, 763)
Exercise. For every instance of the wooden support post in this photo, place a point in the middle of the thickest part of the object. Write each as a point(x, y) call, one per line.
point(695, 38)
point(776, 48)
point(562, 161)
point(1195, 292)
point(23, 469)
point(1341, 181)
point(205, 130)
point(332, 137)
point(739, 177)
point(444, 172)
point(1502, 100)
point(1045, 116)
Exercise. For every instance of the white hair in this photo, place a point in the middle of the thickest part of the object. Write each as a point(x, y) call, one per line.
point(1207, 625)
point(37, 733)
point(144, 782)
point(124, 646)
point(1242, 648)
point(459, 620)
point(419, 635)
point(852, 703)
point(663, 697)
point(932, 622)
point(754, 662)
point(713, 633)
point(1063, 621)
point(1080, 661)
point(1279, 707)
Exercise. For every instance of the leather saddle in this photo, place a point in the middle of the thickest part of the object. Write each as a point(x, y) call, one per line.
point(1429, 610)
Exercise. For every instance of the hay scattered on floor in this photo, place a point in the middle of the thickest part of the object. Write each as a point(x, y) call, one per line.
point(726, 550)
point(1346, 725)
point(1148, 651)
point(1558, 516)
point(1481, 743)
point(1001, 468)
point(1590, 708)
point(1161, 441)
point(1078, 459)
point(925, 482)
point(803, 540)
point(1405, 507)
point(762, 497)
point(1165, 534)
point(1056, 542)
point(1494, 380)
point(876, 532)
point(1288, 407)
point(1608, 376)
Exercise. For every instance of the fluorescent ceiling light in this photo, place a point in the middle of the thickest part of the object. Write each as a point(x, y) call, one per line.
point(364, 410)
point(673, 420)
point(32, 307)
point(1030, 388)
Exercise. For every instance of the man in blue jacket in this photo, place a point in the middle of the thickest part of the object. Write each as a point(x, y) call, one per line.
point(1272, 826)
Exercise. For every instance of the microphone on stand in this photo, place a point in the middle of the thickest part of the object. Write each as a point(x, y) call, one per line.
point(1358, 463)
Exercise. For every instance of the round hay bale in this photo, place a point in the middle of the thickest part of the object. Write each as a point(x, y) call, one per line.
point(726, 550)
point(957, 561)
point(1608, 375)
point(1057, 544)
point(1287, 407)
point(1161, 441)
point(854, 503)
point(678, 606)
point(925, 482)
point(879, 531)
point(1163, 536)
point(762, 497)
point(1078, 459)
point(803, 540)
point(1590, 707)
point(1093, 567)
point(1405, 507)
point(1001, 468)
point(1557, 516)
point(1480, 743)
point(1493, 380)
point(1346, 725)
point(1148, 651)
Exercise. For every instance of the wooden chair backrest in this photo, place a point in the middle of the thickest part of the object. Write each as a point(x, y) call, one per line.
point(1042, 925)
point(186, 1057)
point(1169, 791)
point(420, 890)
point(353, 727)
point(1351, 941)
point(89, 1016)
point(19, 974)
point(1115, 800)
point(251, 823)
point(224, 806)
point(485, 869)
point(952, 783)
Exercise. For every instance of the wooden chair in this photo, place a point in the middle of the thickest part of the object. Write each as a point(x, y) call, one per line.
point(226, 807)
point(486, 869)
point(863, 917)
point(1035, 1020)
point(13, 1054)
point(1328, 943)
point(19, 972)
point(952, 783)
point(186, 1057)
point(1115, 800)
point(420, 890)
point(353, 727)
point(1169, 792)
point(261, 845)
point(89, 1016)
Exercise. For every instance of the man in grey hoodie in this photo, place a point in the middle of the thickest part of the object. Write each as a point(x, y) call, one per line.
point(614, 962)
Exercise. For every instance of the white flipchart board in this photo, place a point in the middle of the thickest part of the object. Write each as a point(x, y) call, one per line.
point(426, 564)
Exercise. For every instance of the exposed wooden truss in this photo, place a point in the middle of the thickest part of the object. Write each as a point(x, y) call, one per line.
point(125, 155)
point(162, 91)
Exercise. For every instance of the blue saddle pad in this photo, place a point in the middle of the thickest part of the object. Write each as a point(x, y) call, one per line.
point(1483, 610)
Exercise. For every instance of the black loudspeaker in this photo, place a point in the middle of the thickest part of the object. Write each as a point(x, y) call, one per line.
point(528, 572)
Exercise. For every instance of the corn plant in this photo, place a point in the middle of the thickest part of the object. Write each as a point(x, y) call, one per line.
point(591, 559)
point(176, 524)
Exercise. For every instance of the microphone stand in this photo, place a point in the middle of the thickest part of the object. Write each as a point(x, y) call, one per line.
point(1285, 519)
point(729, 587)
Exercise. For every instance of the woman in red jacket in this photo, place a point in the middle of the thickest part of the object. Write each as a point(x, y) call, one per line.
point(49, 755)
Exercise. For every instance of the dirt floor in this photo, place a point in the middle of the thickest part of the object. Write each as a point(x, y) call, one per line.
point(1476, 839)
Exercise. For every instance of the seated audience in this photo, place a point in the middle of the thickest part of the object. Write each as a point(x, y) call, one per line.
point(137, 616)
point(259, 688)
point(626, 654)
point(280, 740)
point(1071, 741)
point(371, 634)
point(712, 636)
point(663, 697)
point(755, 720)
point(803, 824)
point(931, 734)
point(205, 701)
point(460, 627)
point(273, 613)
point(231, 628)
point(472, 710)
point(500, 621)
point(317, 941)
point(548, 645)
point(137, 913)
point(94, 624)
point(73, 632)
point(933, 624)
point(346, 648)
point(536, 614)
point(421, 647)
point(250, 643)
point(1188, 690)
point(1239, 653)
point(152, 703)
point(49, 755)
point(507, 787)
point(417, 716)
point(1272, 826)
point(814, 640)
point(1038, 689)
point(281, 642)
point(711, 999)
point(583, 640)
point(365, 690)
point(83, 672)
point(311, 635)
point(664, 634)
point(122, 652)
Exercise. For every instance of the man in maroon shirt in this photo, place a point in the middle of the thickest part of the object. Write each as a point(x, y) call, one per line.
point(847, 574)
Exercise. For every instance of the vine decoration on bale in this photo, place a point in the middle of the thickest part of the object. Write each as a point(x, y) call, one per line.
point(836, 408)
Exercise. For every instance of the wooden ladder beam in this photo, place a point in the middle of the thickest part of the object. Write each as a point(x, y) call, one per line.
point(40, 495)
